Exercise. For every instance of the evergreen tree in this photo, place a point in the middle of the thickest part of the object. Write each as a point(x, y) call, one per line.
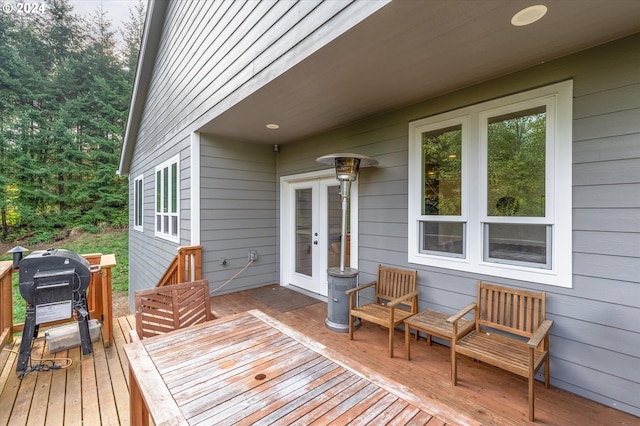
point(64, 94)
point(132, 35)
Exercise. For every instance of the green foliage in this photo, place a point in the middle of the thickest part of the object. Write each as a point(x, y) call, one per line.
point(516, 168)
point(442, 156)
point(41, 237)
point(64, 94)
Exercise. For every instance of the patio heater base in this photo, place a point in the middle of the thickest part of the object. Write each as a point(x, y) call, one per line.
point(337, 301)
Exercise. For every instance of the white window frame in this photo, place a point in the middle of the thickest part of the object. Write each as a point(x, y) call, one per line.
point(169, 220)
point(138, 203)
point(558, 208)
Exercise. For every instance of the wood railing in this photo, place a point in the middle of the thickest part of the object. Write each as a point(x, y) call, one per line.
point(6, 303)
point(99, 298)
point(185, 267)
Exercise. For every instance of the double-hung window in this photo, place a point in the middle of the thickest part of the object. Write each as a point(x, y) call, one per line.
point(490, 187)
point(167, 199)
point(138, 203)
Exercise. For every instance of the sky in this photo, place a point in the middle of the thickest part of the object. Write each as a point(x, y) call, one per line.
point(117, 10)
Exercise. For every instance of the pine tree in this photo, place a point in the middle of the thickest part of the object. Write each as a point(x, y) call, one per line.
point(64, 95)
point(132, 35)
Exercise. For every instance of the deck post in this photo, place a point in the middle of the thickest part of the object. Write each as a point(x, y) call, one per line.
point(6, 303)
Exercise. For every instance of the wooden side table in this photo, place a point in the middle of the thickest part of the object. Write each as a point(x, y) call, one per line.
point(433, 323)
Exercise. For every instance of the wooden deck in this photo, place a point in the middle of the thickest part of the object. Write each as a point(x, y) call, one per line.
point(94, 389)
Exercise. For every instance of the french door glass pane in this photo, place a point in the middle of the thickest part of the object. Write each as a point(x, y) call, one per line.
point(304, 237)
point(443, 237)
point(442, 172)
point(335, 227)
point(516, 151)
point(518, 243)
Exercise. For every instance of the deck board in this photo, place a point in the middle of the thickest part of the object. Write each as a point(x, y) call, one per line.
point(104, 382)
point(42, 390)
point(73, 397)
point(55, 416)
point(94, 389)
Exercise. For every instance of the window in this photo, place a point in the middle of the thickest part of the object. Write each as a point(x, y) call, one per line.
point(138, 203)
point(490, 187)
point(167, 193)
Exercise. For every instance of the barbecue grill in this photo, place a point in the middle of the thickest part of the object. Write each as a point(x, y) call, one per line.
point(53, 283)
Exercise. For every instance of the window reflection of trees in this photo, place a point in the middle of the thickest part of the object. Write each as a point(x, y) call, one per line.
point(442, 156)
point(516, 164)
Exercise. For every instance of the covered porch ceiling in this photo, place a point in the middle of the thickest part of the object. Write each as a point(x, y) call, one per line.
point(412, 50)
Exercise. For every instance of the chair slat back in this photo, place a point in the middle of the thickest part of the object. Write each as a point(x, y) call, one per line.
point(171, 307)
point(393, 283)
point(517, 311)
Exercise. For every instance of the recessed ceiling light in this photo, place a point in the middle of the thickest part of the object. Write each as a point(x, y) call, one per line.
point(272, 126)
point(529, 15)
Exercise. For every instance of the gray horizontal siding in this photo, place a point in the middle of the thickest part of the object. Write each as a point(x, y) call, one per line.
point(624, 244)
point(607, 196)
point(149, 256)
point(237, 213)
point(583, 381)
point(605, 149)
point(611, 220)
point(612, 172)
point(608, 267)
point(596, 336)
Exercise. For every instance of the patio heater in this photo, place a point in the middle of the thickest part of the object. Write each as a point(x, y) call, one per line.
point(342, 279)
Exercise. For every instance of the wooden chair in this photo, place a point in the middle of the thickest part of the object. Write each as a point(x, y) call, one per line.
point(511, 333)
point(171, 307)
point(396, 299)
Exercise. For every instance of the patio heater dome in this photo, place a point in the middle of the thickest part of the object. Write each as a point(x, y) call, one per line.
point(342, 279)
point(347, 166)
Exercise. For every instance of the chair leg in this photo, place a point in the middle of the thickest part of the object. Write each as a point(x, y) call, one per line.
point(407, 345)
point(531, 399)
point(350, 327)
point(454, 367)
point(546, 372)
point(390, 342)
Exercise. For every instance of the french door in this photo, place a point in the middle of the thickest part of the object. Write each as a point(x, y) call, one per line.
point(311, 229)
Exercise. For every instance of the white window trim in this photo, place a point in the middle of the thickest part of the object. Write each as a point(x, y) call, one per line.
point(160, 234)
point(195, 189)
point(138, 194)
point(558, 98)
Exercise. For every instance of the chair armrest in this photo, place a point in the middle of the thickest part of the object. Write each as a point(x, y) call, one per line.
point(407, 296)
point(353, 290)
point(541, 333)
point(462, 312)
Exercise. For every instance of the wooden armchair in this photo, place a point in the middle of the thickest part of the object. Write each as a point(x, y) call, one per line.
point(396, 299)
point(171, 307)
point(511, 333)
